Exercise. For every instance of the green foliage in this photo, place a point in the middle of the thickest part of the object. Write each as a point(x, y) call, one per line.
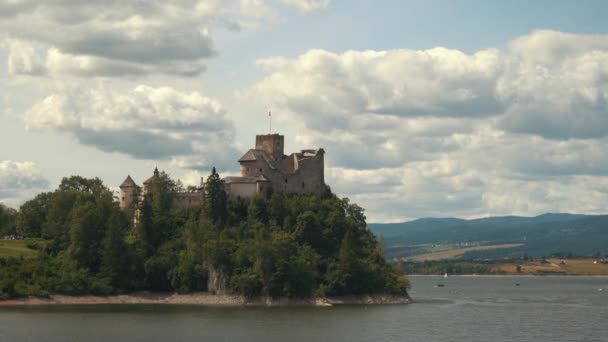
point(439, 267)
point(217, 199)
point(8, 220)
point(114, 252)
point(274, 245)
point(33, 215)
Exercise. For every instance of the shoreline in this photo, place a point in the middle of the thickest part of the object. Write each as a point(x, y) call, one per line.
point(510, 275)
point(201, 299)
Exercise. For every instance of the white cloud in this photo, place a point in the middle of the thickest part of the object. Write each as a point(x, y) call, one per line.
point(20, 181)
point(441, 132)
point(258, 13)
point(547, 46)
point(307, 6)
point(58, 63)
point(22, 59)
point(564, 98)
point(134, 36)
point(114, 38)
point(146, 122)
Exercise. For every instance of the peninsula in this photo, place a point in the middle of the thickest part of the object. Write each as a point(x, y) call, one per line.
point(275, 235)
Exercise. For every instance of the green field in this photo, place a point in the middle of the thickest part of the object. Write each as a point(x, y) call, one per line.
point(15, 248)
point(442, 253)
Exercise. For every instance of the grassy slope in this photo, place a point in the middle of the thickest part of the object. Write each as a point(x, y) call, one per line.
point(15, 248)
point(455, 253)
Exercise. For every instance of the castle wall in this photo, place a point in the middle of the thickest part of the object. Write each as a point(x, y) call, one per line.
point(307, 178)
point(243, 190)
point(182, 200)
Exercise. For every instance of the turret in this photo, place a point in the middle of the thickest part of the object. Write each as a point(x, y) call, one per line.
point(152, 184)
point(128, 193)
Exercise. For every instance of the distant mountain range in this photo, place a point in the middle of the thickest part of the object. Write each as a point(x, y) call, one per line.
point(541, 235)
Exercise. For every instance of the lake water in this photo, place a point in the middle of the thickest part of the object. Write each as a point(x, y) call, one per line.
point(466, 309)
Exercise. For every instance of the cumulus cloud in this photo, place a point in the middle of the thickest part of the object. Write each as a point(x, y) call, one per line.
point(521, 129)
point(114, 38)
point(561, 95)
point(19, 181)
point(103, 36)
point(145, 123)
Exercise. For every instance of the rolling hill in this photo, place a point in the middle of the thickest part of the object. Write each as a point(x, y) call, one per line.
point(547, 234)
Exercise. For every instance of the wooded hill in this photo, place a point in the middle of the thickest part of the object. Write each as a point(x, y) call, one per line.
point(544, 235)
point(272, 245)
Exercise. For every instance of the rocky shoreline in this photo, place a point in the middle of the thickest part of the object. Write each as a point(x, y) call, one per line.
point(202, 299)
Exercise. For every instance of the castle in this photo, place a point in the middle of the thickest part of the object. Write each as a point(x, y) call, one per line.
point(264, 168)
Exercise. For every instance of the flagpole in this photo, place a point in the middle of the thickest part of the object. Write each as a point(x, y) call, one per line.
point(269, 123)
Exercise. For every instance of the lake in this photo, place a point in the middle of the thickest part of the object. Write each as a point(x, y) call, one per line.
point(466, 309)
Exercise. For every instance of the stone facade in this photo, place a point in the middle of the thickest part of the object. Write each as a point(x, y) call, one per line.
point(300, 172)
point(263, 169)
point(129, 192)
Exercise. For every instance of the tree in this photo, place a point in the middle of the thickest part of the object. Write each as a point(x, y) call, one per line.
point(114, 253)
point(93, 186)
point(216, 198)
point(309, 231)
point(86, 231)
point(7, 220)
point(56, 227)
point(33, 215)
point(191, 271)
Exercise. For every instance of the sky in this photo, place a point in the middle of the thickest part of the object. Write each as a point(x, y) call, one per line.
point(424, 108)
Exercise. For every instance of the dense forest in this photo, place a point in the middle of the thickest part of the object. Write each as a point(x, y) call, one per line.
point(272, 245)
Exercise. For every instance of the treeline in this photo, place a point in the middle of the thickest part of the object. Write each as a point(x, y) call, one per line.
point(8, 221)
point(439, 267)
point(272, 245)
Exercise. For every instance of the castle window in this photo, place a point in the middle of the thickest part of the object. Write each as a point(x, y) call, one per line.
point(260, 169)
point(302, 185)
point(285, 180)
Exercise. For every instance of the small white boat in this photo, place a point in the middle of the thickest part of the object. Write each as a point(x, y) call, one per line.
point(445, 275)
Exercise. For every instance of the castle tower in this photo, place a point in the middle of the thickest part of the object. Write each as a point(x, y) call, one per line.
point(272, 144)
point(128, 193)
point(152, 184)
